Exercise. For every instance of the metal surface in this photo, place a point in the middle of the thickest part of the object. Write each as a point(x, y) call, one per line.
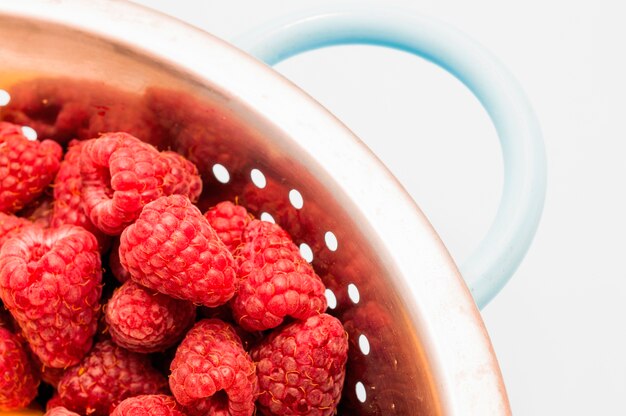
point(501, 251)
point(426, 349)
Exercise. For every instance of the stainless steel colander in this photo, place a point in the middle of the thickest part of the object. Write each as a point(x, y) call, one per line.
point(418, 344)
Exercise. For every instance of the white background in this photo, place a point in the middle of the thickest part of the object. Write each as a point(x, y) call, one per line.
point(558, 328)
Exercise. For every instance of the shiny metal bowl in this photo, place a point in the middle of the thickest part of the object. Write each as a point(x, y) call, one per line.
point(418, 344)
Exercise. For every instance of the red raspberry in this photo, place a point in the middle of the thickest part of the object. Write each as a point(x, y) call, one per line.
point(50, 280)
point(11, 225)
point(211, 358)
point(149, 405)
point(120, 175)
point(275, 281)
point(19, 379)
point(60, 411)
point(144, 321)
point(301, 367)
point(228, 220)
point(120, 273)
point(68, 204)
point(105, 377)
point(172, 249)
point(26, 167)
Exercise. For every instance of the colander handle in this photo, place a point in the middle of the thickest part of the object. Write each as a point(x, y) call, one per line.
point(497, 257)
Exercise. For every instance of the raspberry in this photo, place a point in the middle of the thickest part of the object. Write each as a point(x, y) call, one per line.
point(60, 411)
point(19, 379)
point(275, 281)
point(172, 249)
point(120, 273)
point(11, 225)
point(50, 282)
point(143, 321)
point(211, 359)
point(121, 174)
point(228, 220)
point(301, 367)
point(149, 405)
point(68, 204)
point(26, 167)
point(105, 377)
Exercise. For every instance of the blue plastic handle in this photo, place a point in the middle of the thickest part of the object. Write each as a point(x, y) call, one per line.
point(497, 257)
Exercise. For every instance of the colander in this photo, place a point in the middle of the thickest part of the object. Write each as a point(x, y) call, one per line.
point(417, 341)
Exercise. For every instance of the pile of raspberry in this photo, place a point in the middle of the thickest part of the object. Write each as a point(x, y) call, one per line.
point(119, 296)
